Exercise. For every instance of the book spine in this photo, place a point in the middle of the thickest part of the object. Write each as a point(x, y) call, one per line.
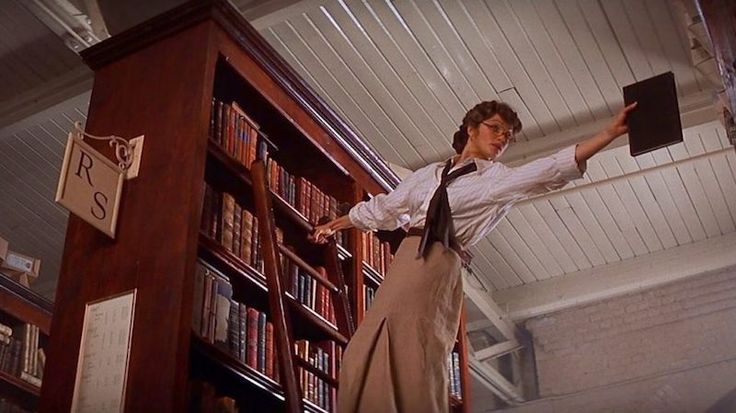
point(269, 350)
point(261, 360)
point(252, 337)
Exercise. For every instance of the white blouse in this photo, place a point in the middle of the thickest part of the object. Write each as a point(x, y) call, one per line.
point(478, 200)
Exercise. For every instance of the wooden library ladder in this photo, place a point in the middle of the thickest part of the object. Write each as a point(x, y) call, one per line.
point(277, 299)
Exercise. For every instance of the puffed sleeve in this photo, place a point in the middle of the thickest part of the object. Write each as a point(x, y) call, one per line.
point(385, 211)
point(546, 174)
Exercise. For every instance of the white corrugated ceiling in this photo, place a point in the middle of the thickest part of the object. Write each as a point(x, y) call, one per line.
point(403, 73)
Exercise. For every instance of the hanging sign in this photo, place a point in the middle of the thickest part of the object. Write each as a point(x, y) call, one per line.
point(90, 185)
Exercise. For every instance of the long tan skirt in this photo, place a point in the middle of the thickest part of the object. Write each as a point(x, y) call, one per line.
point(397, 359)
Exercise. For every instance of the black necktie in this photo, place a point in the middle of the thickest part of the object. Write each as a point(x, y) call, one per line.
point(438, 226)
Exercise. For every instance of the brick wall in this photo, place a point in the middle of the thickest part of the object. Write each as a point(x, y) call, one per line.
point(672, 348)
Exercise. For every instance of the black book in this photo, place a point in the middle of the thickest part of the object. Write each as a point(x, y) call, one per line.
point(655, 122)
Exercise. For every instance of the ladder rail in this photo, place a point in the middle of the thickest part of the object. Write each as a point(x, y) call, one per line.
point(343, 312)
point(283, 333)
point(276, 294)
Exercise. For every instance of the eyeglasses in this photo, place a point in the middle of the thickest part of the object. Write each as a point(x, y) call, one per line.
point(498, 130)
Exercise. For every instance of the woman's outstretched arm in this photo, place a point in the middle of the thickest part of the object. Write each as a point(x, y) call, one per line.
point(592, 145)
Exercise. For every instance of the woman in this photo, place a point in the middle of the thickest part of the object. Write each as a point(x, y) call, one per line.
point(396, 361)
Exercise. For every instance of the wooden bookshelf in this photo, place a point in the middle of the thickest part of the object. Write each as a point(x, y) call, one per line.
point(20, 305)
point(160, 79)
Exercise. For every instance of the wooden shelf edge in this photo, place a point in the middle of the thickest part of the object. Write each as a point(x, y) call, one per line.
point(375, 282)
point(26, 293)
point(232, 261)
point(25, 304)
point(246, 372)
point(290, 211)
point(329, 329)
point(371, 272)
point(21, 392)
point(236, 366)
point(342, 253)
point(311, 407)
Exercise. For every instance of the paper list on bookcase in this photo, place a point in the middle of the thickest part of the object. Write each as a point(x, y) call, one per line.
point(103, 355)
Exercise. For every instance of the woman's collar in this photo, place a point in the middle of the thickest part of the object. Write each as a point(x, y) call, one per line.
point(480, 164)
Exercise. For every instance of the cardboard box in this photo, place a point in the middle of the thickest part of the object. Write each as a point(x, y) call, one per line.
point(19, 267)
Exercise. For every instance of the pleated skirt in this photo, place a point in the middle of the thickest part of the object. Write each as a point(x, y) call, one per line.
point(397, 359)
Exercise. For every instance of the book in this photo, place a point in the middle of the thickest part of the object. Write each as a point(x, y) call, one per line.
point(655, 122)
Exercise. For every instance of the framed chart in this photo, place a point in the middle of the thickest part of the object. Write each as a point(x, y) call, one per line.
point(102, 368)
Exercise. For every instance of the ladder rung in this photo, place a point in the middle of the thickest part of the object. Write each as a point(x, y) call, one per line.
point(319, 373)
point(308, 268)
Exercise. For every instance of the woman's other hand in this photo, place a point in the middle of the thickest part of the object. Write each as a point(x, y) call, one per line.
point(320, 233)
point(618, 126)
point(589, 147)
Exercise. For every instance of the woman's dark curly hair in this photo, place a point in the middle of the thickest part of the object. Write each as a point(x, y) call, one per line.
point(478, 114)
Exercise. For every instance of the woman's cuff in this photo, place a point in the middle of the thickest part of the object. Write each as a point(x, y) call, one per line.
point(354, 216)
point(567, 165)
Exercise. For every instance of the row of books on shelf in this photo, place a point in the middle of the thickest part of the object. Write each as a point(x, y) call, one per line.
point(377, 253)
point(453, 366)
point(235, 328)
point(308, 291)
point(244, 331)
point(236, 134)
point(302, 194)
point(234, 131)
point(232, 226)
point(325, 356)
point(20, 354)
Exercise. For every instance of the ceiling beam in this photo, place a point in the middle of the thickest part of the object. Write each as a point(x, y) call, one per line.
point(66, 20)
point(495, 382)
point(97, 20)
point(625, 277)
point(498, 350)
point(695, 109)
point(491, 311)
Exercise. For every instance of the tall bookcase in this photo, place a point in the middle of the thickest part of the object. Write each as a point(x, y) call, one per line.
point(165, 79)
point(21, 307)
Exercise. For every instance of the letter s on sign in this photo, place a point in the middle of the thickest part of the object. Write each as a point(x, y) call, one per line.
point(101, 201)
